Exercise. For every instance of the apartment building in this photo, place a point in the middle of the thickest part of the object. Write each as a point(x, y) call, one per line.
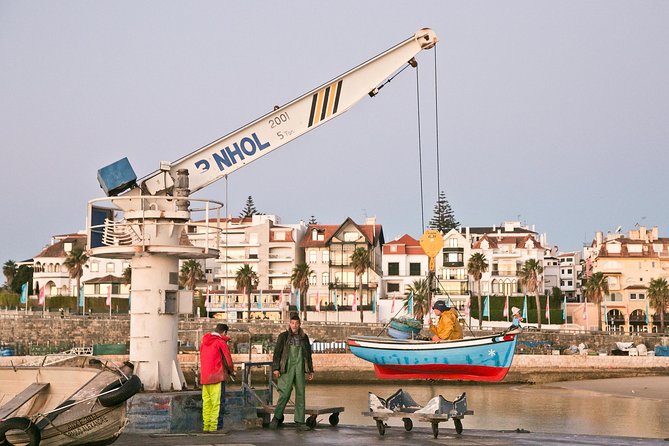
point(569, 264)
point(333, 286)
point(506, 248)
point(101, 277)
point(404, 261)
point(629, 263)
point(270, 248)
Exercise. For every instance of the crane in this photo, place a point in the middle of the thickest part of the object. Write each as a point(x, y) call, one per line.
point(153, 230)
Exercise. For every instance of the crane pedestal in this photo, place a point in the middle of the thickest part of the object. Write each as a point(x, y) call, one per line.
point(154, 235)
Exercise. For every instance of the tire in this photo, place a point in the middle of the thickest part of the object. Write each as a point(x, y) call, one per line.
point(381, 426)
point(408, 424)
point(334, 419)
point(23, 424)
point(435, 429)
point(121, 391)
point(311, 422)
point(458, 425)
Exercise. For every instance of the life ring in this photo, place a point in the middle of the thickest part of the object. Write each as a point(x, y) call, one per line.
point(121, 391)
point(23, 424)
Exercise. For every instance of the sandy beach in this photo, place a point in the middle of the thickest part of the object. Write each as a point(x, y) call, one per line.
point(652, 387)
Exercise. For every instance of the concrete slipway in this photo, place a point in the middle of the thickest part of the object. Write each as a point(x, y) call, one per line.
point(363, 435)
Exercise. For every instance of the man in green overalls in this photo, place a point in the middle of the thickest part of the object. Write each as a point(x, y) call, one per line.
point(292, 360)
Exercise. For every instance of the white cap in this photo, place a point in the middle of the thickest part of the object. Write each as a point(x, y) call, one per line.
point(515, 310)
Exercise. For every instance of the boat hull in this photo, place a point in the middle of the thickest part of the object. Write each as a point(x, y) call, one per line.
point(486, 358)
point(67, 411)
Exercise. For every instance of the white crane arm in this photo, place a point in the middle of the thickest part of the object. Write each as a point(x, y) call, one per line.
point(248, 143)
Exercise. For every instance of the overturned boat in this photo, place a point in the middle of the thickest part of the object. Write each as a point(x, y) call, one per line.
point(485, 358)
point(68, 401)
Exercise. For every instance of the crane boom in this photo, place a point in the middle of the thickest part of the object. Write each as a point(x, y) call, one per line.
point(248, 143)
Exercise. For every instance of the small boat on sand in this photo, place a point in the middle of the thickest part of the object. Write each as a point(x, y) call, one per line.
point(485, 358)
point(73, 401)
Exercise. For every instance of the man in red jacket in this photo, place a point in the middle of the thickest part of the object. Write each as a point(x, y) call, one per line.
point(215, 365)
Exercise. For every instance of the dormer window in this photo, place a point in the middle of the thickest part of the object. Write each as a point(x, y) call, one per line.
point(314, 234)
point(67, 247)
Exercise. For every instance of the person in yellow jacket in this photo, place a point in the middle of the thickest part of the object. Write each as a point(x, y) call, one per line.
point(448, 327)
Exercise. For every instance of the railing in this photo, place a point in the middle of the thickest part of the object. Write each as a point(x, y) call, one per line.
point(203, 228)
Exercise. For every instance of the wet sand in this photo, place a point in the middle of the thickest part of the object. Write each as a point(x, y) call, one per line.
point(651, 387)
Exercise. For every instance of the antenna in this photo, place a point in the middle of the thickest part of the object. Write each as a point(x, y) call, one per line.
point(618, 229)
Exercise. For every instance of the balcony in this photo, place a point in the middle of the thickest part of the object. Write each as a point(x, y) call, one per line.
point(280, 258)
point(503, 273)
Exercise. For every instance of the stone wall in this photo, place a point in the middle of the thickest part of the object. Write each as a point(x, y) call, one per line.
point(23, 331)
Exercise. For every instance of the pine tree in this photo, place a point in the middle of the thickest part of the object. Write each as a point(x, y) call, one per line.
point(250, 209)
point(444, 217)
point(313, 221)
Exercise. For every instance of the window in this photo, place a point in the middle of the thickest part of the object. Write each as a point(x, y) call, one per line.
point(454, 257)
point(312, 279)
point(67, 246)
point(393, 248)
point(110, 267)
point(314, 234)
point(280, 235)
point(95, 267)
point(453, 242)
point(312, 256)
point(326, 256)
point(414, 269)
point(325, 278)
point(351, 236)
point(393, 268)
point(635, 296)
point(569, 271)
point(569, 283)
point(393, 287)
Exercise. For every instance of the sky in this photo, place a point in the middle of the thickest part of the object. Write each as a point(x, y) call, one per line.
point(553, 113)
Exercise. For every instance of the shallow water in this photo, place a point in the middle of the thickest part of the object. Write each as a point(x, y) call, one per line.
point(510, 406)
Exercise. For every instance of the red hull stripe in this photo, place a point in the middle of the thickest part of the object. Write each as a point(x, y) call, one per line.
point(441, 371)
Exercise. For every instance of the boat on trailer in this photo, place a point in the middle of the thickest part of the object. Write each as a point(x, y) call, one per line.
point(68, 401)
point(484, 358)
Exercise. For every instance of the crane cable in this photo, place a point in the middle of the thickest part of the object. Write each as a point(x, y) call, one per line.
point(420, 156)
point(420, 144)
point(436, 118)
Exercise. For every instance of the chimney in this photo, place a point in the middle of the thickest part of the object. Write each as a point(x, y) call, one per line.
point(599, 236)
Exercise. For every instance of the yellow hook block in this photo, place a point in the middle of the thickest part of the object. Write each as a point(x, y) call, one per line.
point(431, 241)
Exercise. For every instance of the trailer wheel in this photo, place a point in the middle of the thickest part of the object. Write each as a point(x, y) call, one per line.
point(381, 426)
point(458, 425)
point(311, 422)
point(435, 429)
point(22, 424)
point(334, 419)
point(408, 424)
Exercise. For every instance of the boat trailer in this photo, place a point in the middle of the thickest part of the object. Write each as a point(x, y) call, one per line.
point(402, 405)
point(265, 399)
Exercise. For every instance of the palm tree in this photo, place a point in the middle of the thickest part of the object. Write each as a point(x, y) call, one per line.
point(360, 262)
point(476, 266)
point(75, 262)
point(658, 293)
point(191, 273)
point(247, 279)
point(421, 298)
point(299, 280)
point(530, 277)
point(127, 275)
point(595, 288)
point(9, 270)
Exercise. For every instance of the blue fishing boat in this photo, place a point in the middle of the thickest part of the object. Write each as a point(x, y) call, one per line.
point(485, 358)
